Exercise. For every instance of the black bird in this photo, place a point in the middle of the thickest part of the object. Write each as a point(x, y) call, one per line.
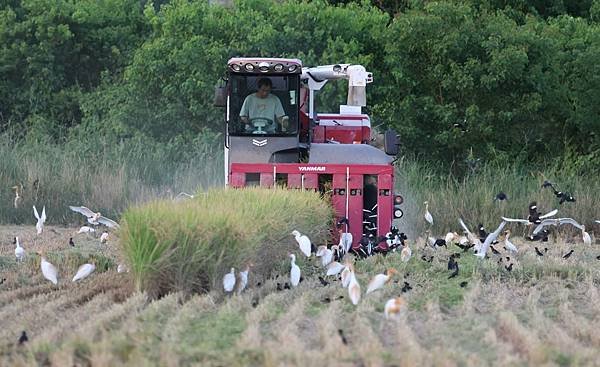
point(279, 287)
point(254, 302)
point(494, 251)
point(286, 286)
point(71, 242)
point(326, 300)
point(598, 257)
point(537, 251)
point(463, 284)
point(451, 263)
point(534, 215)
point(509, 267)
point(455, 272)
point(507, 258)
point(342, 336)
point(2, 281)
point(23, 338)
point(340, 297)
point(501, 196)
point(482, 232)
point(424, 258)
point(258, 285)
point(14, 241)
point(566, 256)
point(466, 247)
point(406, 287)
point(542, 236)
point(324, 283)
point(456, 255)
point(440, 242)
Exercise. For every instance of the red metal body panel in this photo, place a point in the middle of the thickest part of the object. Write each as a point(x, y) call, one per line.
point(307, 176)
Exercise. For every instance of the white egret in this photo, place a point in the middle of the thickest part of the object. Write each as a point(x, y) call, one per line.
point(587, 239)
point(488, 240)
point(334, 268)
point(303, 243)
point(509, 245)
point(346, 274)
point(294, 272)
point(345, 241)
point(555, 222)
point(19, 251)
point(354, 288)
point(83, 271)
point(39, 226)
point(406, 253)
point(94, 218)
point(229, 281)
point(380, 280)
point(244, 278)
point(393, 307)
point(104, 237)
point(122, 268)
point(48, 270)
point(18, 198)
point(428, 216)
point(86, 229)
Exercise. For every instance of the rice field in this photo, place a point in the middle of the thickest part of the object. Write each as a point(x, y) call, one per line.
point(545, 311)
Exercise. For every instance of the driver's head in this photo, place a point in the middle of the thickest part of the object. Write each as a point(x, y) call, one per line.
point(264, 87)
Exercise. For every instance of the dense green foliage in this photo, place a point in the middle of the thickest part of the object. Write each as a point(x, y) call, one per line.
point(501, 80)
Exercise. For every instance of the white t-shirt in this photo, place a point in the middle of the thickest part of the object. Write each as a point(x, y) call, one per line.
point(269, 107)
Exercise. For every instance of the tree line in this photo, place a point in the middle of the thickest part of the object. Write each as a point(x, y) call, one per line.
point(503, 81)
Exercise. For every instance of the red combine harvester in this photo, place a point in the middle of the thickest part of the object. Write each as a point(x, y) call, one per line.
point(274, 136)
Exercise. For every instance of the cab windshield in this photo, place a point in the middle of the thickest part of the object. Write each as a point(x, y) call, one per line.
point(263, 105)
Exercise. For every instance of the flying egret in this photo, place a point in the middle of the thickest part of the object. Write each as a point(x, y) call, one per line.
point(393, 307)
point(229, 281)
point(597, 221)
point(244, 278)
point(555, 222)
point(303, 243)
point(39, 226)
point(334, 268)
point(104, 237)
point(354, 288)
point(509, 245)
point(122, 268)
point(48, 270)
point(428, 216)
point(83, 271)
point(488, 241)
point(19, 251)
point(406, 253)
point(380, 280)
point(294, 272)
point(94, 218)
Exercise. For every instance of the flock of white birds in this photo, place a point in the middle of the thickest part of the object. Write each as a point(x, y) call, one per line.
point(394, 306)
point(49, 270)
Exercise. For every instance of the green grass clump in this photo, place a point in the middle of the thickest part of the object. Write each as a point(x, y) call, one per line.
point(188, 246)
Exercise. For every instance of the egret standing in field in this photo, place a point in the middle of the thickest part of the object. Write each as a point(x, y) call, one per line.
point(294, 272)
point(334, 268)
point(353, 288)
point(19, 251)
point(104, 237)
point(406, 252)
point(39, 226)
point(346, 274)
point(244, 278)
point(48, 269)
point(428, 216)
point(229, 281)
point(587, 239)
point(510, 247)
point(84, 271)
point(18, 198)
point(86, 229)
point(380, 280)
point(393, 307)
point(303, 243)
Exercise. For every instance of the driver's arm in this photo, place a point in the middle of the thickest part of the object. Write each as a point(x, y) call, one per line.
point(281, 116)
point(244, 111)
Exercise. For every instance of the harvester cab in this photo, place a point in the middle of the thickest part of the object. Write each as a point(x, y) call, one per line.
point(275, 137)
